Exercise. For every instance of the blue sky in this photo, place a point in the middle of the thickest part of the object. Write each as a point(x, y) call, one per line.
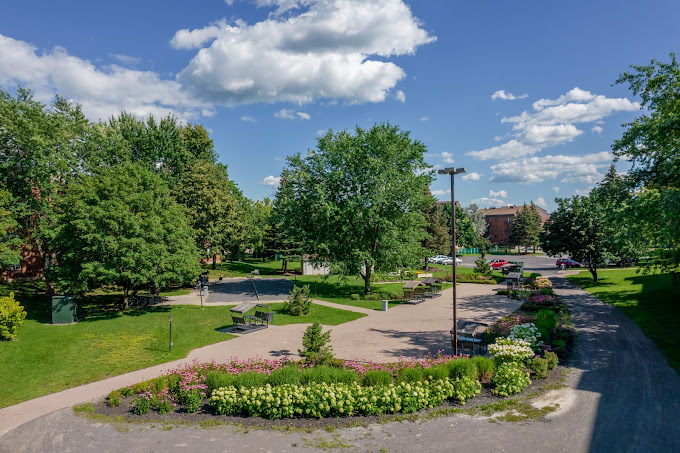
point(519, 93)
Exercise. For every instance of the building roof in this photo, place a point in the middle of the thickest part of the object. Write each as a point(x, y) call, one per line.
point(449, 202)
point(511, 210)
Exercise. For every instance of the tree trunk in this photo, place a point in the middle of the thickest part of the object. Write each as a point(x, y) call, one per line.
point(214, 261)
point(126, 291)
point(284, 265)
point(593, 272)
point(427, 267)
point(367, 279)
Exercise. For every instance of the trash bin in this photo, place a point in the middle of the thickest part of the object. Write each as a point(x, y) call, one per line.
point(384, 305)
point(562, 266)
point(63, 310)
point(205, 290)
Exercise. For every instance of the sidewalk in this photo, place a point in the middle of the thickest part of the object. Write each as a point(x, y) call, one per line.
point(406, 330)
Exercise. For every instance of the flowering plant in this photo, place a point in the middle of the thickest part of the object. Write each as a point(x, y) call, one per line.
point(511, 350)
point(426, 361)
point(527, 332)
point(509, 379)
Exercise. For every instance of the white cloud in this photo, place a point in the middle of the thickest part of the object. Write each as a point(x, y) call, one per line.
point(487, 202)
point(321, 51)
point(474, 176)
point(556, 189)
point(249, 119)
point(439, 193)
point(400, 96)
point(102, 91)
point(287, 114)
point(126, 59)
point(553, 122)
point(447, 158)
point(597, 129)
point(541, 202)
point(584, 168)
point(501, 94)
point(583, 192)
point(500, 193)
point(424, 118)
point(271, 181)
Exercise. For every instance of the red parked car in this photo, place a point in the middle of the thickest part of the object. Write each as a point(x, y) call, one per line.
point(496, 264)
point(568, 263)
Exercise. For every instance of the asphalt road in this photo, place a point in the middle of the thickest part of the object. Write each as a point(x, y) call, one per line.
point(543, 264)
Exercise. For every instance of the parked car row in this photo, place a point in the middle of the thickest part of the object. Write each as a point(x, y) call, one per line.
point(567, 263)
point(443, 259)
point(449, 261)
point(497, 263)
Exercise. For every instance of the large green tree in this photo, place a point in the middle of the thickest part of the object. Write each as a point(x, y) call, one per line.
point(438, 239)
point(525, 227)
point(652, 144)
point(579, 227)
point(210, 207)
point(466, 235)
point(10, 241)
point(357, 198)
point(122, 227)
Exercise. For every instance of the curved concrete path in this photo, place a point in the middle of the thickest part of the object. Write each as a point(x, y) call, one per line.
point(622, 396)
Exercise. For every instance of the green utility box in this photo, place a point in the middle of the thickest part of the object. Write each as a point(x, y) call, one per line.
point(63, 310)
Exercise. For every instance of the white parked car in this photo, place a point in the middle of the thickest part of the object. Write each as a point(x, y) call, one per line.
point(449, 261)
point(438, 259)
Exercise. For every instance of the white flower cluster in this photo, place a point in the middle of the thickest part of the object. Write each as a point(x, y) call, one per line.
point(527, 332)
point(511, 350)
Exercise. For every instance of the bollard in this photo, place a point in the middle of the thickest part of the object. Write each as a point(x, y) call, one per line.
point(385, 303)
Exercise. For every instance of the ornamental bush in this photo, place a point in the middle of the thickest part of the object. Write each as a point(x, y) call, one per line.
point(527, 332)
point(286, 375)
point(316, 345)
point(12, 315)
point(485, 368)
point(319, 400)
point(298, 301)
point(465, 368)
point(509, 350)
point(509, 379)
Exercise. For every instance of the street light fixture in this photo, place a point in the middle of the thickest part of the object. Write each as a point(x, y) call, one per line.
point(453, 171)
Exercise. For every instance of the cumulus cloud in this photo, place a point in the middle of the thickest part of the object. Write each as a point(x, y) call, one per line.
point(474, 176)
point(554, 122)
point(287, 114)
point(583, 192)
point(321, 51)
point(271, 181)
point(400, 96)
point(439, 193)
point(556, 189)
point(249, 119)
point(501, 94)
point(487, 202)
point(584, 169)
point(541, 202)
point(500, 193)
point(424, 118)
point(102, 91)
point(597, 129)
point(126, 59)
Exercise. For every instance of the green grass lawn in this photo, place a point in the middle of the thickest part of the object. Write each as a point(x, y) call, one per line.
point(649, 300)
point(106, 342)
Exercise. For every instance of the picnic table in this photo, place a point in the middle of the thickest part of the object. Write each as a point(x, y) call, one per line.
point(434, 286)
point(472, 334)
point(414, 292)
point(244, 323)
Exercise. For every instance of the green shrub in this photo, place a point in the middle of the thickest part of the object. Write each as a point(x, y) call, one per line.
point(316, 348)
point(355, 297)
point(485, 367)
point(539, 366)
point(546, 291)
point(250, 379)
point(410, 375)
point(481, 267)
point(372, 296)
point(192, 400)
point(462, 368)
point(552, 359)
point(142, 406)
point(12, 315)
point(509, 379)
point(377, 378)
point(298, 301)
point(546, 320)
point(165, 407)
point(465, 388)
point(159, 384)
point(217, 379)
point(126, 391)
point(329, 375)
point(287, 375)
point(437, 372)
point(114, 399)
point(503, 292)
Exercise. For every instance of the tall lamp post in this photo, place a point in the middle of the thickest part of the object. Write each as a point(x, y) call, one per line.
point(454, 332)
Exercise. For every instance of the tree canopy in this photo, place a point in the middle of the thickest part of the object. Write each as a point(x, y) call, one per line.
point(357, 199)
point(121, 227)
point(525, 227)
point(579, 228)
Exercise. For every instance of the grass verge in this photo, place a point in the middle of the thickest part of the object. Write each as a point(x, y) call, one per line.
point(649, 300)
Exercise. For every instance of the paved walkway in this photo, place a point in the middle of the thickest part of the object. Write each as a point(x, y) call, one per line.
point(410, 330)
